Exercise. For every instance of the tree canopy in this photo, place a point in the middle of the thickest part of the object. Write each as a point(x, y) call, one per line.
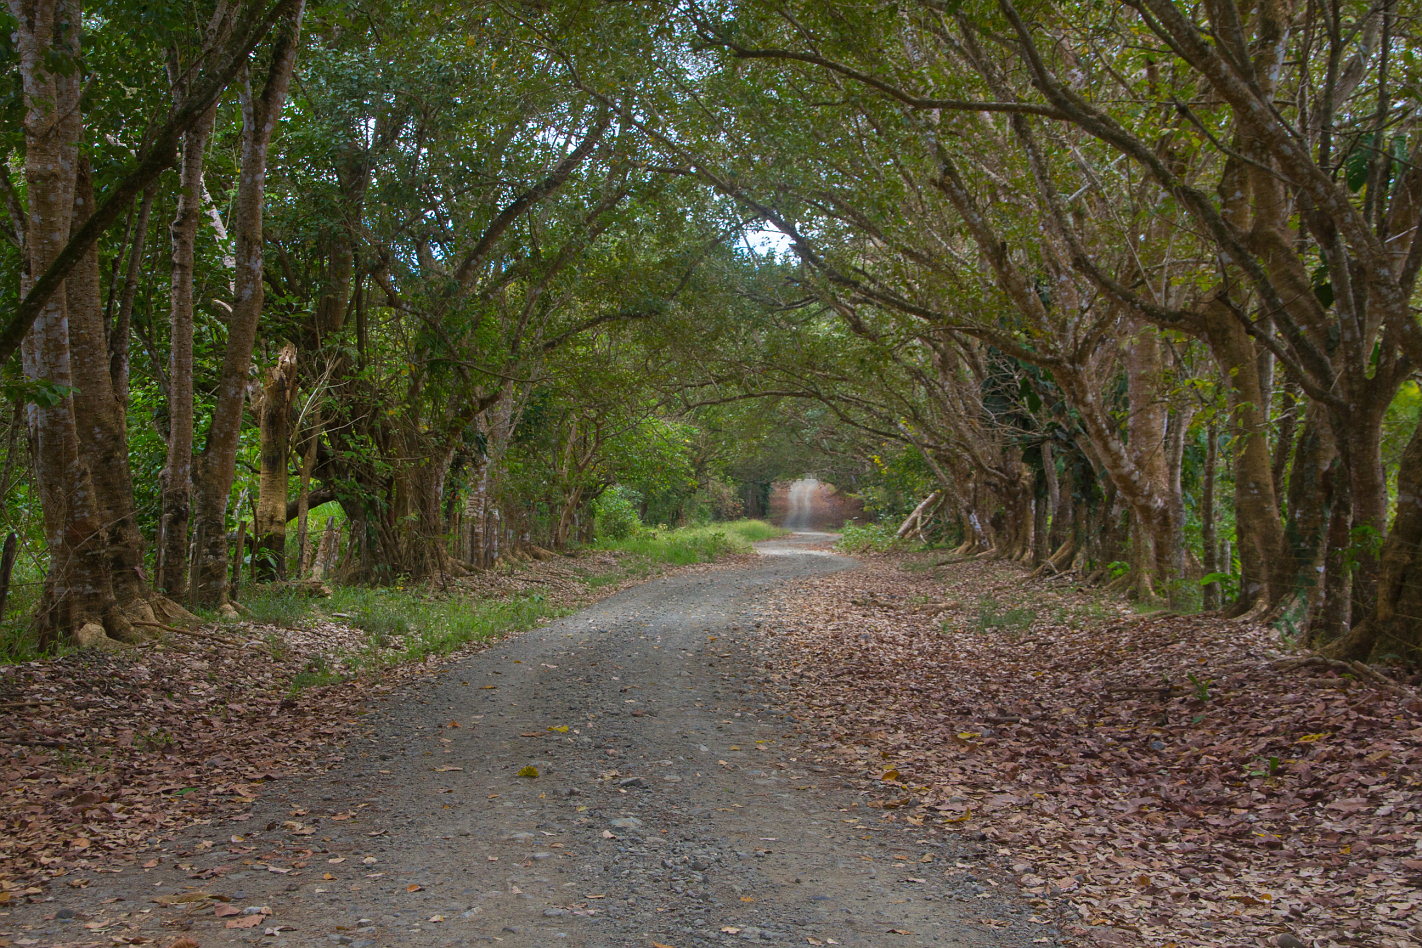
point(1128, 288)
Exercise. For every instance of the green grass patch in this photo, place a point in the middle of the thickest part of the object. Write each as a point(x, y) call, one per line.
point(685, 545)
point(994, 616)
point(400, 625)
point(754, 531)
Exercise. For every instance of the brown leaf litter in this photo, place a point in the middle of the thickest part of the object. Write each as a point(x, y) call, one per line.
point(1162, 780)
point(107, 756)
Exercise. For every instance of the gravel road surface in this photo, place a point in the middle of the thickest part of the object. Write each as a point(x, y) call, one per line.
point(674, 805)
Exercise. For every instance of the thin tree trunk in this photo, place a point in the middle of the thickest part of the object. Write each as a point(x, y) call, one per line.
point(7, 568)
point(1265, 568)
point(177, 476)
point(1209, 519)
point(303, 499)
point(122, 326)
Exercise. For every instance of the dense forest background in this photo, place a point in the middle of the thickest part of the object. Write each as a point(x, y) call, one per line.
point(386, 291)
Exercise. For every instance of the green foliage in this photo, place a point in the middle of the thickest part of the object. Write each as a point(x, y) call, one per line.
point(277, 605)
point(17, 639)
point(1202, 686)
point(615, 514)
point(1229, 583)
point(318, 671)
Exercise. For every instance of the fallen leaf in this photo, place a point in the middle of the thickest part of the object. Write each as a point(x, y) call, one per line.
point(246, 921)
point(529, 771)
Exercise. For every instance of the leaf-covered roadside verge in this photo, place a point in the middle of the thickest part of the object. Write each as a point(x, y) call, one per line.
point(1161, 781)
point(106, 756)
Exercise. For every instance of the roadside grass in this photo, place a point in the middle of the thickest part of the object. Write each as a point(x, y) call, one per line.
point(409, 625)
point(755, 530)
point(686, 545)
point(400, 625)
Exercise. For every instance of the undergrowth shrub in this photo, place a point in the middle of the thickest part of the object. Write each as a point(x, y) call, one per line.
point(615, 514)
point(870, 538)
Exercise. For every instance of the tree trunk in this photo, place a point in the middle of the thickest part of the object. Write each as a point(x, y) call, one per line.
point(177, 477)
point(326, 555)
point(303, 500)
point(1209, 519)
point(269, 523)
point(1309, 506)
point(76, 428)
point(567, 518)
point(1395, 624)
point(218, 466)
point(1266, 571)
point(121, 329)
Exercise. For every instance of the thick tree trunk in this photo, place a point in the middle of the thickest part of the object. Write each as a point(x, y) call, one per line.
point(217, 469)
point(481, 540)
point(1361, 450)
point(51, 152)
point(1309, 506)
point(101, 418)
point(1395, 624)
point(269, 524)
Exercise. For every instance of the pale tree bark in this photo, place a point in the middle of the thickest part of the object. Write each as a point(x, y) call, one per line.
point(497, 424)
point(1154, 540)
point(274, 418)
point(1209, 520)
point(261, 111)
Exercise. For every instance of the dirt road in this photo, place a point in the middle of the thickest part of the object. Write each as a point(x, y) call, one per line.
point(673, 805)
